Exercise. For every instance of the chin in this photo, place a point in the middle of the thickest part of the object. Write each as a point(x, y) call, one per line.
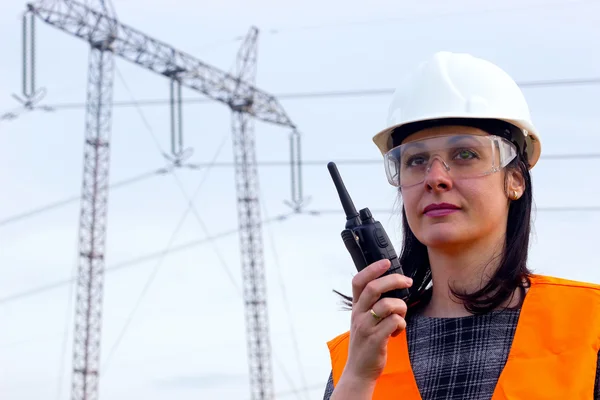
point(440, 235)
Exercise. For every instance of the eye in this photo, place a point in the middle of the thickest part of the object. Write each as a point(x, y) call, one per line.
point(415, 161)
point(466, 154)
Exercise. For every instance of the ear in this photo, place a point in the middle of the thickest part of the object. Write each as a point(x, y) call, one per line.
point(515, 184)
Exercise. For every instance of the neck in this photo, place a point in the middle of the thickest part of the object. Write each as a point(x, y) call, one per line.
point(464, 268)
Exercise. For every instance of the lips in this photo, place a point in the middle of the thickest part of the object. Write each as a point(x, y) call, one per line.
point(440, 209)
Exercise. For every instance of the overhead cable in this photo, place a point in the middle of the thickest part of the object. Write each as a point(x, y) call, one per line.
point(534, 84)
point(73, 199)
point(51, 206)
point(200, 242)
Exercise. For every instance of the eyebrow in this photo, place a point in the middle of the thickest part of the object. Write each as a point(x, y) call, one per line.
point(456, 139)
point(409, 146)
point(450, 140)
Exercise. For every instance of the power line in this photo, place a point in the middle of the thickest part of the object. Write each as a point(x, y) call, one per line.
point(190, 206)
point(285, 299)
point(196, 214)
point(319, 163)
point(122, 265)
point(349, 161)
point(412, 17)
point(135, 261)
point(72, 199)
point(565, 82)
point(127, 264)
point(200, 242)
point(156, 268)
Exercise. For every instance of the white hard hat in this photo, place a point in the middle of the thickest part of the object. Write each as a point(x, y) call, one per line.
point(458, 85)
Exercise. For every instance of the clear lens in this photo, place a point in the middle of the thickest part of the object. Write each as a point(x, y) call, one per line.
point(462, 156)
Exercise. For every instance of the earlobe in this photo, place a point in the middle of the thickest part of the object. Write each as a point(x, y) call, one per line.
point(516, 185)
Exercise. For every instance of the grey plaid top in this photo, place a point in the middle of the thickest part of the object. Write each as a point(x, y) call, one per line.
point(459, 358)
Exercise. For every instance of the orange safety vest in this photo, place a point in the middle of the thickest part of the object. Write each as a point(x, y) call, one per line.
point(553, 354)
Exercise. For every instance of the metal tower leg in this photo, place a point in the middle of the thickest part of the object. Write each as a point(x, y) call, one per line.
point(92, 225)
point(253, 271)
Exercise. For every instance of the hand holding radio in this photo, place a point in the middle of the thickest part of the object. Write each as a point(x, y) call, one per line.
point(373, 321)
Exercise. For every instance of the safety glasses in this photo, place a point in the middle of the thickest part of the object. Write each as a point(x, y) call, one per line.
point(462, 156)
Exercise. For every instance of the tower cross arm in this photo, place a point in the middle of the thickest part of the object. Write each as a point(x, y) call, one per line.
point(134, 46)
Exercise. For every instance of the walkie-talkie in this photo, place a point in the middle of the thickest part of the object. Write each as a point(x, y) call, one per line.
point(365, 238)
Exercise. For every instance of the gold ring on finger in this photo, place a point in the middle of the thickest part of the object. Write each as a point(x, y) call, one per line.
point(374, 314)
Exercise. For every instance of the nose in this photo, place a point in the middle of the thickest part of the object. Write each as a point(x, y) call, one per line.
point(437, 178)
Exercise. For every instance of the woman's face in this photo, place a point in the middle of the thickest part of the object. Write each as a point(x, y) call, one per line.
point(481, 203)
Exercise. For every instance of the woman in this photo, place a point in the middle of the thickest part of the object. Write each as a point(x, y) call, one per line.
point(478, 324)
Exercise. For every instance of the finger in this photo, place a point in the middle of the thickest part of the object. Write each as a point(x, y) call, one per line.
point(373, 290)
point(386, 307)
point(392, 325)
point(372, 271)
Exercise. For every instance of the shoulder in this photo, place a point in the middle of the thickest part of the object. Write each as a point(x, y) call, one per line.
point(562, 283)
point(564, 294)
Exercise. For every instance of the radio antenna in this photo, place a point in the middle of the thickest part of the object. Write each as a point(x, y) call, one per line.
point(347, 203)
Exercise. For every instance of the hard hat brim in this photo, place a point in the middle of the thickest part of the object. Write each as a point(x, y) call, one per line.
point(383, 139)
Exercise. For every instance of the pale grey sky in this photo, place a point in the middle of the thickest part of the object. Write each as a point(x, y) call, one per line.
point(187, 339)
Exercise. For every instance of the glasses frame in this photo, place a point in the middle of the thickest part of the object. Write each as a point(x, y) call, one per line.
point(506, 150)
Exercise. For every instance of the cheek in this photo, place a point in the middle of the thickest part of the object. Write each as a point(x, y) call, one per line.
point(410, 200)
point(485, 203)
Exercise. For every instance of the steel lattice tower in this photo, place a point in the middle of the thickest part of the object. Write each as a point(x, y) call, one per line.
point(92, 225)
point(108, 38)
point(249, 220)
